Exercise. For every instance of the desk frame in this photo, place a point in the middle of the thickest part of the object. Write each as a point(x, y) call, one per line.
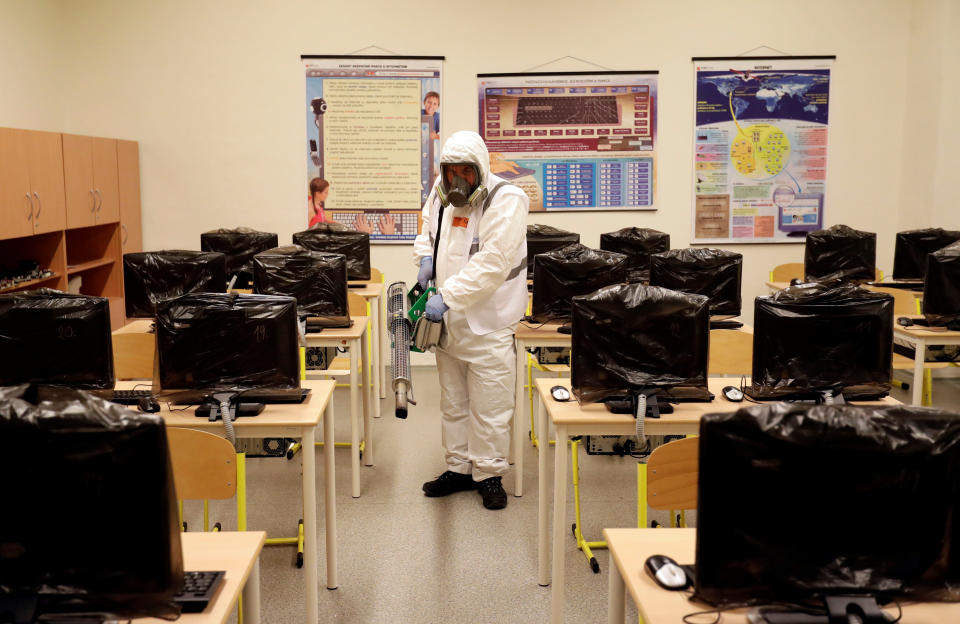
point(919, 337)
point(355, 339)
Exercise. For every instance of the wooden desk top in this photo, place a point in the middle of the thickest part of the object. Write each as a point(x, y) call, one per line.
point(920, 331)
point(630, 548)
point(343, 333)
point(232, 551)
point(572, 413)
point(306, 414)
point(531, 331)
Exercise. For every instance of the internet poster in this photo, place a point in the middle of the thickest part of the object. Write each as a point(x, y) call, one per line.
point(373, 133)
point(573, 140)
point(760, 148)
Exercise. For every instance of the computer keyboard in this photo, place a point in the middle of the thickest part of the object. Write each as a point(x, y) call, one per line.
point(198, 589)
point(129, 397)
point(573, 110)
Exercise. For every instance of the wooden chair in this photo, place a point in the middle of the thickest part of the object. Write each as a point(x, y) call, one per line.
point(133, 354)
point(672, 472)
point(786, 272)
point(205, 466)
point(906, 303)
point(731, 352)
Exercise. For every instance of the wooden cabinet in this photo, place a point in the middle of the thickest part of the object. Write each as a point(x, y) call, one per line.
point(90, 180)
point(31, 183)
point(72, 204)
point(128, 168)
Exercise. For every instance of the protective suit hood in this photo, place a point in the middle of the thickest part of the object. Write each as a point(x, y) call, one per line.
point(465, 147)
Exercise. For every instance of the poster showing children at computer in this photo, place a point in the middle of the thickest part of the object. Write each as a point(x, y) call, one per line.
point(760, 148)
point(372, 141)
point(573, 140)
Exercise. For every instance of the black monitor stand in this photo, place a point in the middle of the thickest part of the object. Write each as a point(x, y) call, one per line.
point(630, 404)
point(840, 610)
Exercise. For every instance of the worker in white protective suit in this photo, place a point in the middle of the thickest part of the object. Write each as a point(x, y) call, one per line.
point(474, 243)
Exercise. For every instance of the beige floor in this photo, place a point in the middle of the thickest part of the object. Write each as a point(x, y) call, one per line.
point(408, 558)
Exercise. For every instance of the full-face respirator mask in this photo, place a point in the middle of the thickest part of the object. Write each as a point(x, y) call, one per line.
point(459, 191)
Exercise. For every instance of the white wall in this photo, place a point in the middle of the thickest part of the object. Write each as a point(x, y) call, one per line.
point(31, 65)
point(214, 92)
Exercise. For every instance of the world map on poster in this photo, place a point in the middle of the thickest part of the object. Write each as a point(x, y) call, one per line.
point(762, 95)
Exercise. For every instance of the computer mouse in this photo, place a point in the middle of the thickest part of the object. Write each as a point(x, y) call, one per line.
point(559, 393)
point(665, 572)
point(732, 393)
point(147, 404)
point(796, 281)
point(903, 321)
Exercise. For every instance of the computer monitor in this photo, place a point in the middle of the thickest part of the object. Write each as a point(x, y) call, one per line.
point(336, 238)
point(317, 280)
point(637, 244)
point(840, 252)
point(95, 526)
point(813, 339)
point(912, 247)
point(51, 337)
point(150, 277)
point(630, 338)
point(941, 286)
point(210, 342)
point(714, 273)
point(794, 506)
point(572, 270)
point(543, 238)
point(239, 245)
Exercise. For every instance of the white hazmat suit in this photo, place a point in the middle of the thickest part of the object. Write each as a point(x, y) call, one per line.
point(480, 268)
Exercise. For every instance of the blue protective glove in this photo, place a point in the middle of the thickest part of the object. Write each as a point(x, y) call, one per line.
point(426, 271)
point(435, 308)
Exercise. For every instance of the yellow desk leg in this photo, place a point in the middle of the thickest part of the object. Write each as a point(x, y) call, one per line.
point(641, 495)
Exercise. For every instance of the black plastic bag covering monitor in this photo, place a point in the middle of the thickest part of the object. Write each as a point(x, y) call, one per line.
point(51, 337)
point(629, 338)
point(150, 277)
point(95, 526)
point(714, 273)
point(816, 338)
point(564, 273)
point(840, 253)
point(239, 245)
point(317, 280)
point(217, 342)
point(638, 244)
point(797, 502)
point(941, 286)
point(336, 238)
point(543, 238)
point(912, 247)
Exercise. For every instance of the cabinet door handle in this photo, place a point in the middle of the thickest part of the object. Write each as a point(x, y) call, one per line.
point(99, 205)
point(94, 206)
point(39, 204)
point(30, 212)
point(126, 234)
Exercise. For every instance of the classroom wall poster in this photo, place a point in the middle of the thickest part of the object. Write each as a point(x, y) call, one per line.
point(573, 140)
point(373, 133)
point(760, 148)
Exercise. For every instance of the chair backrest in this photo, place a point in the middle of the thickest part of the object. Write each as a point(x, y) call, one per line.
point(376, 275)
point(672, 471)
point(133, 354)
point(204, 464)
point(731, 352)
point(356, 304)
point(904, 301)
point(786, 272)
